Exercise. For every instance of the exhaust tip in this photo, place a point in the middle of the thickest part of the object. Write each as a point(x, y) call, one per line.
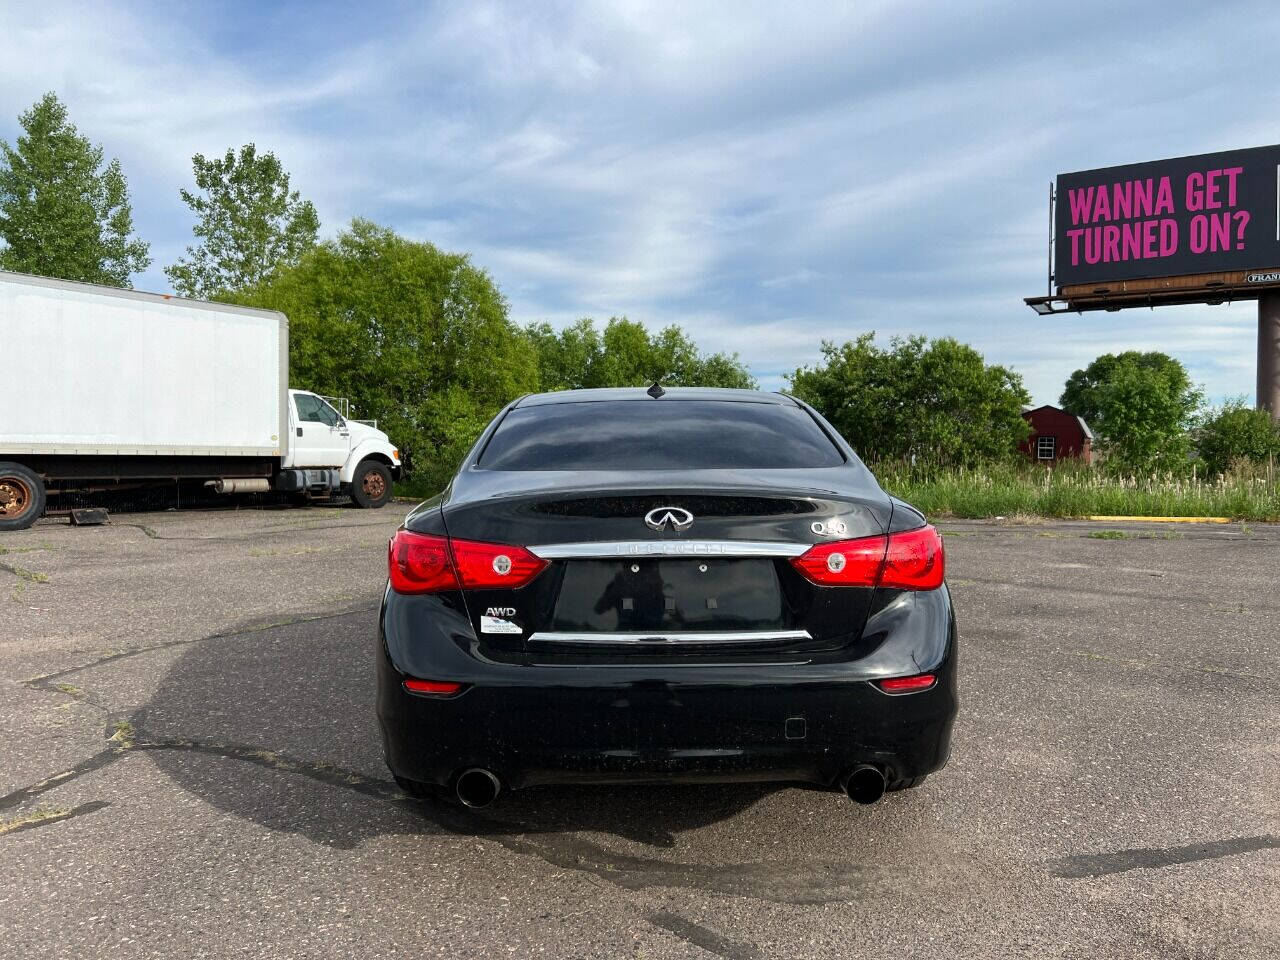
point(864, 784)
point(477, 787)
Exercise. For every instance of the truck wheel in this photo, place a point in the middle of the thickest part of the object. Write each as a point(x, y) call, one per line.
point(21, 497)
point(371, 484)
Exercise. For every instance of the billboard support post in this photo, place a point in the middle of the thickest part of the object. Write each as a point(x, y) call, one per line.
point(1268, 397)
point(1049, 272)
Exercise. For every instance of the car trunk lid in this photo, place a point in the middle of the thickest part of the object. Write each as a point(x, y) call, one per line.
point(629, 580)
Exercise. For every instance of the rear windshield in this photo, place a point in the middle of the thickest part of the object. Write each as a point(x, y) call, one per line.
point(658, 435)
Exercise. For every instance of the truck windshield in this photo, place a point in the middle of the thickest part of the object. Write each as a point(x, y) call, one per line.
point(312, 409)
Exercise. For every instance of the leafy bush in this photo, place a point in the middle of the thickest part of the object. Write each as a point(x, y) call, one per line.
point(625, 354)
point(933, 400)
point(414, 336)
point(1235, 433)
point(1140, 405)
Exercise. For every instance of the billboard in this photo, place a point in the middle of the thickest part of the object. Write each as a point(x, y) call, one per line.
point(1191, 215)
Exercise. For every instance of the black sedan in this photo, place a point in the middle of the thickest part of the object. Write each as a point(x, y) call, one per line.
point(664, 585)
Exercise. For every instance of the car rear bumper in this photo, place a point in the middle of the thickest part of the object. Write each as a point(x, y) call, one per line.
point(801, 722)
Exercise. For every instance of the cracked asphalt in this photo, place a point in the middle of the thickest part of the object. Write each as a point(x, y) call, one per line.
point(190, 765)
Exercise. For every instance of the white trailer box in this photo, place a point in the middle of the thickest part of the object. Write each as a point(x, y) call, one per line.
point(108, 388)
point(90, 370)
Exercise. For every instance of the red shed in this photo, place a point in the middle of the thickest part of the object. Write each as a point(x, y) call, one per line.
point(1056, 435)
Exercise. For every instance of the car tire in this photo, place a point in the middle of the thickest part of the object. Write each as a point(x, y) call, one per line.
point(371, 484)
point(22, 497)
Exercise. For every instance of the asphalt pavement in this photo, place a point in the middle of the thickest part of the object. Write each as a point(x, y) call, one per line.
point(190, 766)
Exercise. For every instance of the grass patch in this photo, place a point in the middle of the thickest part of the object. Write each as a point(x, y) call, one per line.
point(1023, 492)
point(123, 736)
point(1108, 535)
point(1027, 490)
point(33, 549)
point(22, 573)
point(38, 815)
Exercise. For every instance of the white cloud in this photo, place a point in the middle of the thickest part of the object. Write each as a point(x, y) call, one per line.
point(767, 176)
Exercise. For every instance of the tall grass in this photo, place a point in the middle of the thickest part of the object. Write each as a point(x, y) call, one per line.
point(1073, 490)
point(1069, 490)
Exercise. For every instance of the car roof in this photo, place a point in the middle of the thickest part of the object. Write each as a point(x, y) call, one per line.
point(640, 393)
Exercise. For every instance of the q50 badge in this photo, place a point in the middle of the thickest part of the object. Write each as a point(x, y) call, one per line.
point(831, 528)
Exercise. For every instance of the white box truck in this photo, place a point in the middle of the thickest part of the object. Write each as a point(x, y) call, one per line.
point(106, 388)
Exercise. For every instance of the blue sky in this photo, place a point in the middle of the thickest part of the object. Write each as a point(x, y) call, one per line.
point(765, 175)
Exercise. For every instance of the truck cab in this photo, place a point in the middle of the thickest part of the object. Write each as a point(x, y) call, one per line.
point(327, 450)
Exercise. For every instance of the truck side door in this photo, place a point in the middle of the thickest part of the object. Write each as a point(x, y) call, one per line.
point(320, 435)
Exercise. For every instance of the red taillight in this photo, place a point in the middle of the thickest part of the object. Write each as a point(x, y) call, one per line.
point(439, 688)
point(844, 563)
point(914, 560)
point(426, 563)
point(494, 566)
point(921, 681)
point(911, 560)
point(420, 563)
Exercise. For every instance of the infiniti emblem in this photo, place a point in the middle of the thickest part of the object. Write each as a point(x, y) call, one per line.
point(678, 517)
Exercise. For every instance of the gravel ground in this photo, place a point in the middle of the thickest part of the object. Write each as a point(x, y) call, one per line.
point(190, 765)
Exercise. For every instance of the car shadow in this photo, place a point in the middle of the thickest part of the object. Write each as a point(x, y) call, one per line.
point(277, 726)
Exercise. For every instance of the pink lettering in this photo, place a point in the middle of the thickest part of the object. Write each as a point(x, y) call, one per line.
point(1231, 173)
point(1081, 201)
point(1195, 184)
point(1211, 188)
point(1110, 243)
point(1142, 198)
point(1074, 236)
point(1101, 205)
point(1149, 231)
point(1220, 231)
point(1199, 241)
point(1132, 238)
point(1122, 200)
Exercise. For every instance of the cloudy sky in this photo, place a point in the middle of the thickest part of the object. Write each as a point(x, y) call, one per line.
point(766, 175)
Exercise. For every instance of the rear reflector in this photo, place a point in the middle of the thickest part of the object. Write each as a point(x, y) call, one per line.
point(921, 681)
point(426, 563)
point(441, 688)
point(910, 560)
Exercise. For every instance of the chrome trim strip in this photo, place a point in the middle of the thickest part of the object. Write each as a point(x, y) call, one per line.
point(663, 639)
point(670, 664)
point(668, 548)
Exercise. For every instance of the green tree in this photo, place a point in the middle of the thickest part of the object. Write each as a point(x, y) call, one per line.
point(625, 354)
point(249, 223)
point(937, 401)
point(1236, 432)
point(1141, 406)
point(414, 336)
point(62, 213)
